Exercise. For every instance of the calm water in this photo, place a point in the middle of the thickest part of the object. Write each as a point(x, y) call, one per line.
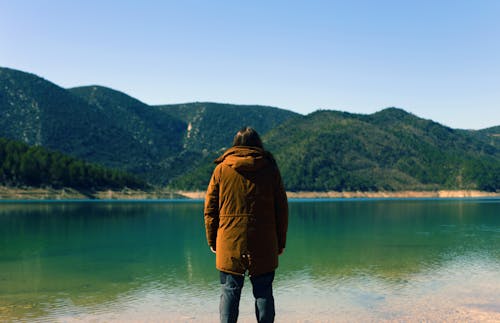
point(346, 260)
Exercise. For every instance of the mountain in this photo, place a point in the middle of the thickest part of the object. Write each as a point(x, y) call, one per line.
point(175, 144)
point(105, 126)
point(39, 112)
point(490, 135)
point(154, 138)
point(388, 150)
point(212, 126)
point(156, 132)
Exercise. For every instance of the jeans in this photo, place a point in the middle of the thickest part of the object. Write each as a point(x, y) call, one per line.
point(231, 292)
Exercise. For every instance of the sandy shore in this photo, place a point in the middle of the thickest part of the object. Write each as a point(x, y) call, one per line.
point(399, 194)
point(11, 193)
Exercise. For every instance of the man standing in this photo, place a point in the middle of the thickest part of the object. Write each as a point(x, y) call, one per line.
point(246, 220)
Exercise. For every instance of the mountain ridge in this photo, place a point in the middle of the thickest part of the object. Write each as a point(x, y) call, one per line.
point(174, 145)
point(109, 127)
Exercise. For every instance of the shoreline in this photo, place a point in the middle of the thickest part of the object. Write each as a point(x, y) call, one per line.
point(34, 193)
point(27, 193)
point(380, 194)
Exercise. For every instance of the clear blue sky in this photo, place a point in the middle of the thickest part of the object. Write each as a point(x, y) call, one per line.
point(437, 59)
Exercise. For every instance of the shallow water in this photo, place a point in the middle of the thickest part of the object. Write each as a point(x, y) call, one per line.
point(346, 260)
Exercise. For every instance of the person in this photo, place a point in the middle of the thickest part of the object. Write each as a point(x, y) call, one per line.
point(246, 220)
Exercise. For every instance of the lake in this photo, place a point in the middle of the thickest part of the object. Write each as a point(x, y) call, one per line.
point(348, 260)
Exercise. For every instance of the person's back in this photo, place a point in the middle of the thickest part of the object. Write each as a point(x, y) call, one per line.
point(246, 218)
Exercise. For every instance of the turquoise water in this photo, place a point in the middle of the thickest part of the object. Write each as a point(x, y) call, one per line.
point(346, 260)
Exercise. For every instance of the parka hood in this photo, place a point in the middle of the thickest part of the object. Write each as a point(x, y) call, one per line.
point(244, 158)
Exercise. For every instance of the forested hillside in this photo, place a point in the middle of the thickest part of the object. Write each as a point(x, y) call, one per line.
point(35, 166)
point(389, 150)
point(105, 126)
point(490, 135)
point(212, 126)
point(39, 112)
point(175, 145)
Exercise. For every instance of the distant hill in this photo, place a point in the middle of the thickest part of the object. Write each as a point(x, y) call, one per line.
point(115, 134)
point(491, 135)
point(101, 125)
point(492, 131)
point(175, 145)
point(212, 126)
point(157, 133)
point(388, 150)
point(149, 140)
point(39, 112)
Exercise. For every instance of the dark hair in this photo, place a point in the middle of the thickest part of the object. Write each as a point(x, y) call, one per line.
point(247, 136)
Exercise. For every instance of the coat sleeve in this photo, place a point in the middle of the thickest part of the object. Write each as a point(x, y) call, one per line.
point(211, 210)
point(281, 211)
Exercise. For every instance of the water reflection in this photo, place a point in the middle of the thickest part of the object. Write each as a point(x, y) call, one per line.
point(103, 260)
point(390, 239)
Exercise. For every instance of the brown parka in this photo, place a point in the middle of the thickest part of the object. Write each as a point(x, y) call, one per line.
point(246, 211)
